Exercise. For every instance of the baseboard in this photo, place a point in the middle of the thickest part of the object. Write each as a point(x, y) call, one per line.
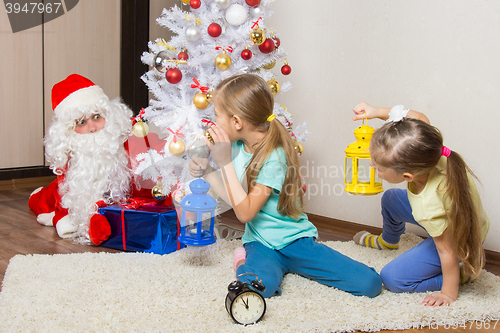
point(27, 172)
point(26, 182)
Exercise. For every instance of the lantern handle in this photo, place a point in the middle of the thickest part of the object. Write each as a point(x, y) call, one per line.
point(366, 117)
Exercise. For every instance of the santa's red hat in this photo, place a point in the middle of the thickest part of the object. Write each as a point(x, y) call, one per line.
point(75, 91)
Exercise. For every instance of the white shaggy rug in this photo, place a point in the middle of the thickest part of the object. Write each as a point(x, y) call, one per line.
point(185, 292)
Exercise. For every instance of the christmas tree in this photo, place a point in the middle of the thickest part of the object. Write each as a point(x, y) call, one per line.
point(213, 40)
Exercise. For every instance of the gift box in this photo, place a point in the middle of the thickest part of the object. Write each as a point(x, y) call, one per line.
point(146, 228)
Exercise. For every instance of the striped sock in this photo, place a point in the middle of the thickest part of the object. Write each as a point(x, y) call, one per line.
point(464, 277)
point(239, 255)
point(364, 238)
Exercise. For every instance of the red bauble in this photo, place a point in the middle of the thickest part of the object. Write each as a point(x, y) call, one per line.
point(195, 4)
point(173, 75)
point(214, 30)
point(267, 46)
point(252, 2)
point(246, 54)
point(277, 42)
point(183, 56)
point(286, 69)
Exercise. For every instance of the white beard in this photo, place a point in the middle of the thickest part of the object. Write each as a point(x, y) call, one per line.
point(97, 170)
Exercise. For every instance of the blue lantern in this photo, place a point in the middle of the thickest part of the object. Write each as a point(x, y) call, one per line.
point(197, 215)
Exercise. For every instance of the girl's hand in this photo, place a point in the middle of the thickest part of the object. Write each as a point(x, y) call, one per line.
point(437, 299)
point(363, 110)
point(196, 163)
point(221, 148)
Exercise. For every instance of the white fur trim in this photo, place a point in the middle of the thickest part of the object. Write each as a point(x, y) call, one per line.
point(65, 227)
point(46, 219)
point(36, 191)
point(82, 97)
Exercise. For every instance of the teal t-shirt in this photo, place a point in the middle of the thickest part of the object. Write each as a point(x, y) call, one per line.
point(269, 227)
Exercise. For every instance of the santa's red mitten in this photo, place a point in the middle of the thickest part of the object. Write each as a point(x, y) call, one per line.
point(99, 229)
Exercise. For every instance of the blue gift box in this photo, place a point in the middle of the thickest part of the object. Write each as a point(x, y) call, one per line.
point(148, 228)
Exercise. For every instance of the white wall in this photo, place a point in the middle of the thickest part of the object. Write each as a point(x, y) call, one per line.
point(439, 57)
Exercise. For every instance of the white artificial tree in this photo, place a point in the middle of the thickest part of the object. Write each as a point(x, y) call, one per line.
point(195, 27)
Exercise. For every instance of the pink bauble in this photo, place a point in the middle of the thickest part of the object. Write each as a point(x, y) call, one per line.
point(267, 46)
point(173, 75)
point(214, 30)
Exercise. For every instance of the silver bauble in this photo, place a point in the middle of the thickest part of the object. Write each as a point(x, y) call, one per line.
point(161, 61)
point(222, 4)
point(256, 12)
point(193, 33)
point(199, 148)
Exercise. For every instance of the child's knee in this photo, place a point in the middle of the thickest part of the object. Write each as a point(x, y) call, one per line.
point(371, 285)
point(272, 286)
point(393, 281)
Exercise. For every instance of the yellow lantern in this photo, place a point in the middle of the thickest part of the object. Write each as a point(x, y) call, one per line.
point(360, 177)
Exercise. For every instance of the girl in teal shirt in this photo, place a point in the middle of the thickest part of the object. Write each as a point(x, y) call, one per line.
point(261, 181)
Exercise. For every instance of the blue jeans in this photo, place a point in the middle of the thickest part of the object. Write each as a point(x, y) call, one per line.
point(418, 269)
point(312, 260)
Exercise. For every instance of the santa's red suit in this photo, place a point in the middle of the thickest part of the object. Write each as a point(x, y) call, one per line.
point(93, 169)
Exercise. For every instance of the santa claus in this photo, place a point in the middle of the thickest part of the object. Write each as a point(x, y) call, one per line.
point(85, 148)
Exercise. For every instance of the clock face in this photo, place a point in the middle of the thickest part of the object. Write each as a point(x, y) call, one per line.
point(248, 308)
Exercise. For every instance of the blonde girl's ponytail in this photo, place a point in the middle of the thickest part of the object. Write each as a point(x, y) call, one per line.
point(465, 226)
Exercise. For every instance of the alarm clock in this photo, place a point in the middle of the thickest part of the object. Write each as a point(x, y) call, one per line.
point(243, 303)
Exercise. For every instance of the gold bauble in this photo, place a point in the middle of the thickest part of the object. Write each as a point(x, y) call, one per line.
point(270, 65)
point(200, 101)
point(140, 129)
point(157, 192)
point(257, 36)
point(177, 148)
point(299, 148)
point(186, 1)
point(209, 96)
point(209, 137)
point(223, 61)
point(274, 85)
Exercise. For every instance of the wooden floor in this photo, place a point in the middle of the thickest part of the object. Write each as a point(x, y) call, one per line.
point(21, 234)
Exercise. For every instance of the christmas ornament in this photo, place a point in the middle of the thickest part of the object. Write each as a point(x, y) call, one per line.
point(223, 61)
point(299, 148)
point(140, 129)
point(214, 30)
point(195, 4)
point(199, 148)
point(173, 75)
point(208, 136)
point(160, 62)
point(257, 36)
point(183, 55)
point(185, 1)
point(157, 192)
point(274, 85)
point(246, 54)
point(193, 33)
point(256, 12)
point(253, 2)
point(209, 96)
point(222, 4)
point(200, 100)
point(267, 46)
point(270, 65)
point(286, 69)
point(277, 42)
point(177, 148)
point(236, 14)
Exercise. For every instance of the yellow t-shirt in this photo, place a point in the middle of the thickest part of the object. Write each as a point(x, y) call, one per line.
point(428, 208)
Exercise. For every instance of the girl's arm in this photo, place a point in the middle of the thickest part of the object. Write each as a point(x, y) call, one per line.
point(451, 274)
point(382, 113)
point(229, 188)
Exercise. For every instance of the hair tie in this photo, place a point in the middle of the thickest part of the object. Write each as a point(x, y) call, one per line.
point(397, 113)
point(271, 117)
point(445, 151)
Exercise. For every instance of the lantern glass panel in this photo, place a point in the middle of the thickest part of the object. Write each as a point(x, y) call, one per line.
point(190, 223)
point(206, 221)
point(364, 170)
point(348, 170)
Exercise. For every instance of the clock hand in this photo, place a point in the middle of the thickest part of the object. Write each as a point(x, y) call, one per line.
point(246, 303)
